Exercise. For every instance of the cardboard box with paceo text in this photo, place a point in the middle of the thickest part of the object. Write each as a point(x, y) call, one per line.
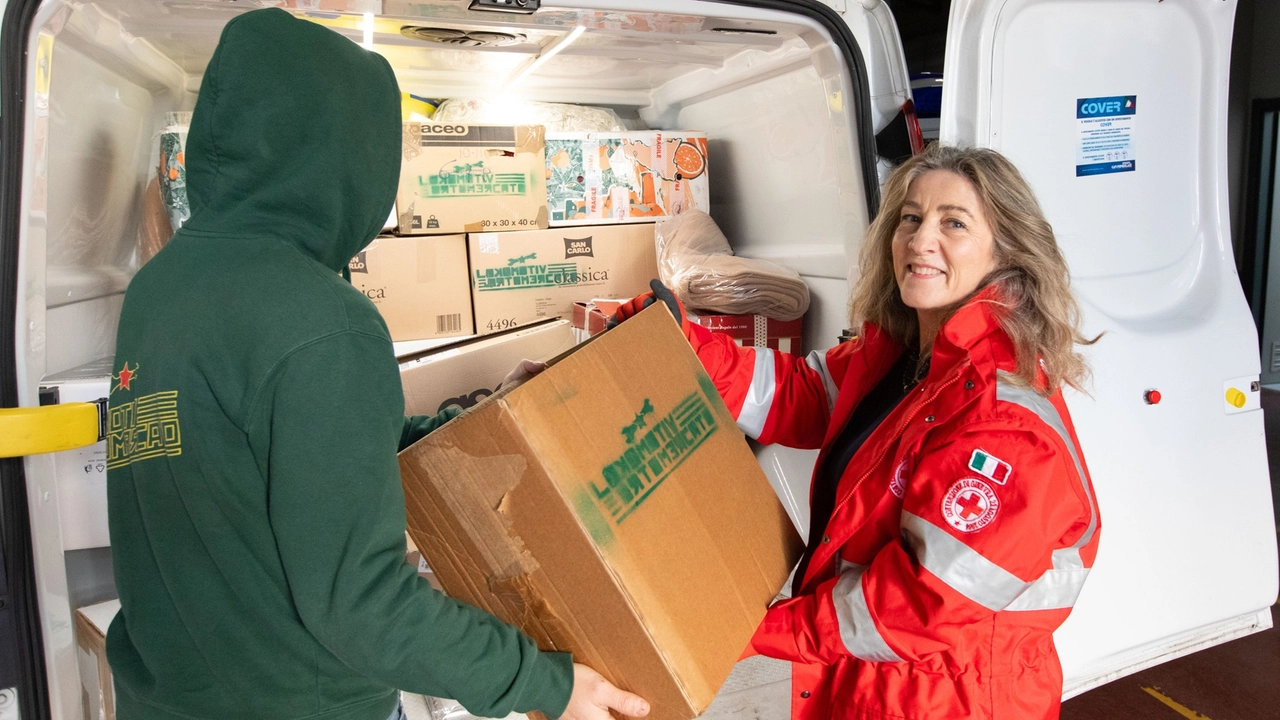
point(419, 284)
point(464, 373)
point(611, 508)
point(471, 178)
point(520, 277)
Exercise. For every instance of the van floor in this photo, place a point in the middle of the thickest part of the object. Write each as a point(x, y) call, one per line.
point(1239, 680)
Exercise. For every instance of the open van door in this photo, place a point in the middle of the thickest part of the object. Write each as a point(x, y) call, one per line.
point(1116, 113)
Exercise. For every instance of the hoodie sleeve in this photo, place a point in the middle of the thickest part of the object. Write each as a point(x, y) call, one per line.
point(417, 427)
point(338, 513)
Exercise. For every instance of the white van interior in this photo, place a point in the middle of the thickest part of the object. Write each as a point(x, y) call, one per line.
point(791, 95)
point(782, 106)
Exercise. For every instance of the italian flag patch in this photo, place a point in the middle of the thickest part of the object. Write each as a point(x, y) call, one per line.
point(990, 466)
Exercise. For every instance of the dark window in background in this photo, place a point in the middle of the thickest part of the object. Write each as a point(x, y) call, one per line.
point(923, 27)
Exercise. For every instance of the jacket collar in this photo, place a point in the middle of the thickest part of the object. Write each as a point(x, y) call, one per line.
point(958, 338)
point(967, 327)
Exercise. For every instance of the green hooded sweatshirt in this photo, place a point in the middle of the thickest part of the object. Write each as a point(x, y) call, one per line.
point(257, 518)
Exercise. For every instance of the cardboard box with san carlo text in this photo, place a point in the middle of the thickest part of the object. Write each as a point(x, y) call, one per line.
point(458, 178)
point(611, 508)
point(519, 277)
point(419, 285)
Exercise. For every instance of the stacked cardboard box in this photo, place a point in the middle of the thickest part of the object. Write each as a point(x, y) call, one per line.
point(592, 318)
point(462, 374)
point(458, 178)
point(519, 277)
point(97, 694)
point(419, 284)
point(595, 178)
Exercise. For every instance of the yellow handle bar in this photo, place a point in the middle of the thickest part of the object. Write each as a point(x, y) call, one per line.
point(51, 428)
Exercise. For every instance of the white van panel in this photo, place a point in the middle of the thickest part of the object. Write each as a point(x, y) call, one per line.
point(1188, 549)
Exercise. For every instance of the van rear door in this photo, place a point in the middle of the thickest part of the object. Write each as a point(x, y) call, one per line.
point(1116, 113)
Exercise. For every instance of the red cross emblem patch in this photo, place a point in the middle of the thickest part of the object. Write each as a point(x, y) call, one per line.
point(970, 505)
point(898, 485)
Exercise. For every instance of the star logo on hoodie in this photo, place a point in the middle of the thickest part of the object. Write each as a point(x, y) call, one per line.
point(124, 377)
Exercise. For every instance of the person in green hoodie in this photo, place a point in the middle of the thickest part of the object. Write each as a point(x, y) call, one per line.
point(256, 513)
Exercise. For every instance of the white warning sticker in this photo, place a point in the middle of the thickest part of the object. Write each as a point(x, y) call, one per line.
point(1106, 129)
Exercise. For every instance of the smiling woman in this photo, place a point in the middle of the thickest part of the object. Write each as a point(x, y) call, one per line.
point(953, 222)
point(953, 522)
point(942, 250)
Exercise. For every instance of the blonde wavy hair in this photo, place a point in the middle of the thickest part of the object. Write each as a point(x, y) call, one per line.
point(1037, 308)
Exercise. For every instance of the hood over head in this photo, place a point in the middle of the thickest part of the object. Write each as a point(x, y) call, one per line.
point(295, 135)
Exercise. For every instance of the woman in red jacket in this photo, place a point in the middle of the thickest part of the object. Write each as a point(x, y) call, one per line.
point(953, 519)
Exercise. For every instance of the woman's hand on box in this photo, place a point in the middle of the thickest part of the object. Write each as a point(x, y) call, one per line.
point(593, 697)
point(657, 292)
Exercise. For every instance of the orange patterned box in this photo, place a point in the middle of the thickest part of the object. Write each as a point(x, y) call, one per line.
point(595, 178)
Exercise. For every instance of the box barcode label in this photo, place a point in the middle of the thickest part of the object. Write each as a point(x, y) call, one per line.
point(449, 323)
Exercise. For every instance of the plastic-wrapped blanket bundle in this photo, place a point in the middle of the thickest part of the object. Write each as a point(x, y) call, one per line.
point(697, 263)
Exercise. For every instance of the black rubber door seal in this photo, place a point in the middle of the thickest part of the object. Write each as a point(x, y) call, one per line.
point(21, 644)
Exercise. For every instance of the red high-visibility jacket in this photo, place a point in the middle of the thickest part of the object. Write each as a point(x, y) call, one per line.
point(963, 528)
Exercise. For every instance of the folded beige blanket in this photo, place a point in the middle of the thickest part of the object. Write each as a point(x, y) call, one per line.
point(697, 263)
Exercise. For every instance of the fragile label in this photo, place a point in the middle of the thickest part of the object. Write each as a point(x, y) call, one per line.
point(1105, 142)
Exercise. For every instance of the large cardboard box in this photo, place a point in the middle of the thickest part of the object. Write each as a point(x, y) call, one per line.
point(471, 178)
point(595, 178)
point(97, 696)
point(522, 276)
point(464, 373)
point(609, 507)
point(419, 285)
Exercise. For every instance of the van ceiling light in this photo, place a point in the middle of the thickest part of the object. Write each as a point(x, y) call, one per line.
point(544, 56)
point(473, 38)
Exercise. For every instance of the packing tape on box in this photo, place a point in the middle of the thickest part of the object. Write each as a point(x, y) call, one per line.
point(510, 566)
point(484, 483)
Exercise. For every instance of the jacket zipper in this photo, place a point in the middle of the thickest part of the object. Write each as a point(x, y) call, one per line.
point(898, 433)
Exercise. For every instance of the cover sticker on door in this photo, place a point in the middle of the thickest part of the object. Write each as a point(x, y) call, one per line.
point(1105, 144)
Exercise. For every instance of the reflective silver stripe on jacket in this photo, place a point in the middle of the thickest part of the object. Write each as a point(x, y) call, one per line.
point(1010, 392)
point(1055, 590)
point(857, 629)
point(967, 572)
point(755, 406)
point(960, 566)
point(818, 361)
